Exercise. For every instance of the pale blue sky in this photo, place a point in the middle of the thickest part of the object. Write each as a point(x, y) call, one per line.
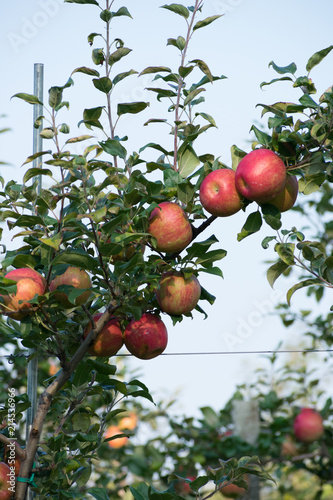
point(240, 45)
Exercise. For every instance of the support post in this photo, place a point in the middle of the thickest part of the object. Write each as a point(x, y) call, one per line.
point(37, 147)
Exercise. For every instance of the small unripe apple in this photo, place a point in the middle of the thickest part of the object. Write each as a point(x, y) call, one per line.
point(147, 337)
point(29, 284)
point(170, 226)
point(260, 175)
point(76, 277)
point(286, 199)
point(176, 294)
point(308, 425)
point(111, 431)
point(218, 193)
point(108, 341)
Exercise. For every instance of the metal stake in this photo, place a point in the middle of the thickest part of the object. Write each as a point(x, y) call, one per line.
point(37, 147)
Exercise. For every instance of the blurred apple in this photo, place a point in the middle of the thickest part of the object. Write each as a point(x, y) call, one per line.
point(260, 175)
point(147, 337)
point(176, 294)
point(29, 284)
point(288, 448)
point(108, 341)
point(169, 225)
point(129, 422)
point(218, 193)
point(75, 277)
point(308, 425)
point(5, 492)
point(111, 431)
point(288, 196)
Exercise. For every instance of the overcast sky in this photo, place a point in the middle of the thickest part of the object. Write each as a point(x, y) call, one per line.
point(240, 46)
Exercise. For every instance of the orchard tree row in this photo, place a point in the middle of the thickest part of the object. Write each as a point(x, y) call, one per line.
point(111, 241)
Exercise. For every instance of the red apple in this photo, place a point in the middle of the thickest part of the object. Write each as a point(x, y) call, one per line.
point(108, 341)
point(147, 337)
point(75, 277)
point(260, 175)
point(29, 284)
point(232, 491)
point(169, 225)
point(287, 197)
point(218, 193)
point(113, 430)
point(7, 480)
point(308, 425)
point(176, 294)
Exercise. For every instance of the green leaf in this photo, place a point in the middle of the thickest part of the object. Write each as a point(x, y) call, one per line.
point(123, 75)
point(318, 57)
point(187, 161)
point(262, 137)
point(179, 43)
point(140, 491)
point(99, 493)
point(205, 22)
point(123, 11)
point(155, 69)
point(291, 68)
point(82, 260)
point(131, 107)
point(236, 156)
point(284, 78)
point(210, 416)
point(114, 148)
point(252, 225)
point(271, 215)
point(207, 117)
point(103, 84)
point(55, 96)
point(177, 9)
point(86, 71)
point(118, 54)
point(204, 68)
point(265, 242)
point(286, 252)
point(31, 99)
point(34, 172)
point(191, 95)
point(53, 242)
point(78, 139)
point(302, 284)
point(307, 101)
point(92, 2)
point(29, 221)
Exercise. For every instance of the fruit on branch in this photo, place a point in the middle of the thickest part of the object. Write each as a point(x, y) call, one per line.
point(176, 294)
point(169, 225)
point(5, 482)
point(130, 422)
point(308, 425)
point(260, 175)
point(288, 448)
point(76, 277)
point(234, 491)
point(11, 458)
point(29, 284)
point(287, 197)
point(111, 431)
point(108, 341)
point(147, 337)
point(218, 193)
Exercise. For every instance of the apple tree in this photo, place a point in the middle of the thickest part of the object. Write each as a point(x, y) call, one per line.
point(92, 243)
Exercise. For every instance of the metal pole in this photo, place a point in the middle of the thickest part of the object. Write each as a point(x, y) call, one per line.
point(37, 147)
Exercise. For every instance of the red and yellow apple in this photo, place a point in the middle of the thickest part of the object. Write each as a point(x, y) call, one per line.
point(129, 422)
point(108, 341)
point(169, 225)
point(288, 196)
point(147, 337)
point(76, 277)
point(308, 425)
point(218, 193)
point(6, 478)
point(260, 175)
point(29, 284)
point(176, 294)
point(111, 431)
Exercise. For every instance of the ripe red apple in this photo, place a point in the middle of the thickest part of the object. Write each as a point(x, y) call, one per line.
point(147, 337)
point(6, 478)
point(232, 491)
point(260, 175)
point(29, 284)
point(308, 425)
point(218, 193)
point(176, 294)
point(75, 277)
point(169, 225)
point(287, 197)
point(108, 341)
